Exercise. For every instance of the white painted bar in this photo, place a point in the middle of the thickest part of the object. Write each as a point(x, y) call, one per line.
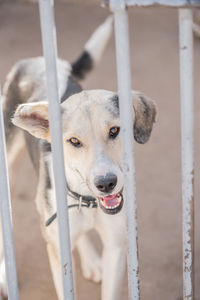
point(166, 3)
point(50, 53)
point(186, 85)
point(170, 3)
point(6, 219)
point(126, 119)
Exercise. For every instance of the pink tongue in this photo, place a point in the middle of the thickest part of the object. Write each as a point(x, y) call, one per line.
point(111, 200)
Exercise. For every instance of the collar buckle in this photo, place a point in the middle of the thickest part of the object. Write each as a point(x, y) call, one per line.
point(80, 203)
point(85, 201)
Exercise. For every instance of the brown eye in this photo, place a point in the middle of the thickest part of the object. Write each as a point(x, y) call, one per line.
point(75, 142)
point(114, 131)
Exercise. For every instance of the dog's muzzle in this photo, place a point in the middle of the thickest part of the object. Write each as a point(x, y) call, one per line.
point(112, 203)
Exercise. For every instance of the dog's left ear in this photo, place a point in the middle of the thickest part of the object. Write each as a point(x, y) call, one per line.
point(145, 116)
point(34, 118)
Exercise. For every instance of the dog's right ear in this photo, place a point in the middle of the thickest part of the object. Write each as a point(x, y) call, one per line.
point(34, 118)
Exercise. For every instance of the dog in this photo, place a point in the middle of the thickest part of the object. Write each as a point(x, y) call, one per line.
point(92, 155)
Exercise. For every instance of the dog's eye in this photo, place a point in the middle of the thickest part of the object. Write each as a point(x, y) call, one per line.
point(75, 142)
point(114, 131)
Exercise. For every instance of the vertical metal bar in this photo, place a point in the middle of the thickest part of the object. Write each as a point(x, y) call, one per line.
point(126, 119)
point(186, 85)
point(6, 219)
point(50, 53)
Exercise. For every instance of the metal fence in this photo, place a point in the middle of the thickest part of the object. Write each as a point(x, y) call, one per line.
point(119, 9)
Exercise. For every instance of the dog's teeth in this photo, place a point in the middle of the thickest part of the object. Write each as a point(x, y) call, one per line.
point(111, 207)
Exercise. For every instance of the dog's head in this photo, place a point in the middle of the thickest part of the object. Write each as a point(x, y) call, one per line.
point(91, 139)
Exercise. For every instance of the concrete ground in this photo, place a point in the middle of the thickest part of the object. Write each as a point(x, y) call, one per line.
point(155, 68)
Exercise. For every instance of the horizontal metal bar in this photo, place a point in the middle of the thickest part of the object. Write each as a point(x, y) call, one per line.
point(6, 219)
point(126, 121)
point(187, 134)
point(169, 3)
point(50, 53)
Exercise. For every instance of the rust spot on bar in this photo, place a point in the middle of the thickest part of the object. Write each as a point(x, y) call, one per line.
point(184, 48)
point(65, 268)
point(189, 251)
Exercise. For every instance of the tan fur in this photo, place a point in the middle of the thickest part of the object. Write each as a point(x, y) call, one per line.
point(88, 117)
point(26, 85)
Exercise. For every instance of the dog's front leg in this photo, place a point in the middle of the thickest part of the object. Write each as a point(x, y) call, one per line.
point(91, 262)
point(114, 265)
point(56, 270)
point(55, 264)
point(51, 235)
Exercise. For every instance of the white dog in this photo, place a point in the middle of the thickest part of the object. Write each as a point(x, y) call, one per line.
point(92, 153)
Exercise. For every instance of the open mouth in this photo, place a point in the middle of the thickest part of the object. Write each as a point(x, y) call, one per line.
point(111, 204)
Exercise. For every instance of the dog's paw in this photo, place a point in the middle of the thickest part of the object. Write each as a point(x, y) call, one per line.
point(92, 269)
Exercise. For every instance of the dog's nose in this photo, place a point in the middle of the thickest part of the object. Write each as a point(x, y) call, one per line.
point(106, 183)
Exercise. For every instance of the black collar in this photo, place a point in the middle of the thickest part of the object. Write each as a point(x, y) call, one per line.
point(83, 201)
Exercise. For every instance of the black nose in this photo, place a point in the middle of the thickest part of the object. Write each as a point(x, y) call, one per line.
point(106, 183)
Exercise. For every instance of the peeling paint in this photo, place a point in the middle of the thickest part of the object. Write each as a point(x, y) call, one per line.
point(65, 268)
point(186, 79)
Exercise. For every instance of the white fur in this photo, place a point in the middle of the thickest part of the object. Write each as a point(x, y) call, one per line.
point(88, 116)
point(98, 41)
point(51, 192)
point(33, 84)
point(101, 156)
point(102, 166)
